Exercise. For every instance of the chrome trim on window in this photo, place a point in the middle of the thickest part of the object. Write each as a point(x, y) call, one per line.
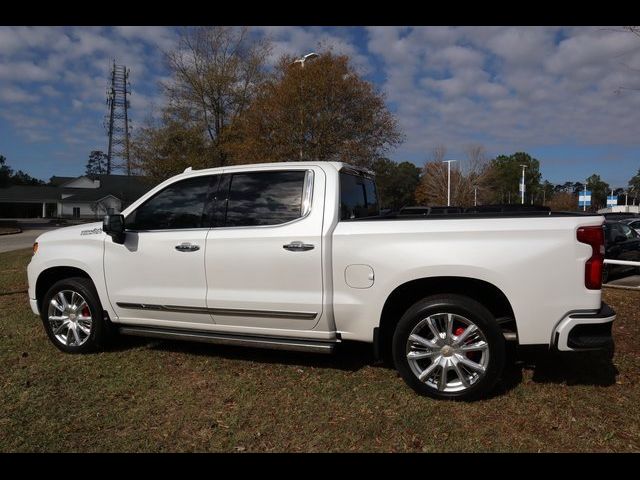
point(236, 312)
point(307, 194)
point(305, 209)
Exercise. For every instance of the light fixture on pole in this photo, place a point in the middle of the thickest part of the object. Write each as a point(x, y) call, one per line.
point(308, 56)
point(448, 162)
point(522, 186)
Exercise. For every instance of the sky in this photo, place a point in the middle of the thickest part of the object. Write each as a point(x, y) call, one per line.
point(569, 96)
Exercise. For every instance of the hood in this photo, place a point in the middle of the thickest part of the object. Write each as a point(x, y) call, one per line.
point(74, 232)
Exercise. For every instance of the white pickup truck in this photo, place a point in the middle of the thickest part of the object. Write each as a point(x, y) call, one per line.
point(297, 256)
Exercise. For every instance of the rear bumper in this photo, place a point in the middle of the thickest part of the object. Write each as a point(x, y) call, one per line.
point(585, 331)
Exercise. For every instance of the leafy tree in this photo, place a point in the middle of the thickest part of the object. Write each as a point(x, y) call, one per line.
point(168, 148)
point(506, 176)
point(22, 178)
point(634, 182)
point(599, 191)
point(5, 172)
point(9, 177)
point(546, 193)
point(322, 111)
point(97, 163)
point(566, 187)
point(396, 182)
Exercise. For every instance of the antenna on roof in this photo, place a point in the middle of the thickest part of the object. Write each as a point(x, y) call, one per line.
point(187, 170)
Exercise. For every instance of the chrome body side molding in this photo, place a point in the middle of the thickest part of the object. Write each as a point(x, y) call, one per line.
point(236, 312)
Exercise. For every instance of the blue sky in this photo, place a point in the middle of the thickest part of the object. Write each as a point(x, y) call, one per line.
point(569, 96)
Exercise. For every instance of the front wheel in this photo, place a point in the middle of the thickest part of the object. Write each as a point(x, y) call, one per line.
point(449, 347)
point(72, 316)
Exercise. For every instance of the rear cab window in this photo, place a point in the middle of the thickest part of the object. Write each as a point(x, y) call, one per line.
point(358, 196)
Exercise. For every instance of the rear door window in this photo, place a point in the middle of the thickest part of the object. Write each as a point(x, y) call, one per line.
point(264, 198)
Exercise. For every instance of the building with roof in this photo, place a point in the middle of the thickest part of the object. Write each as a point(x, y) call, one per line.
point(72, 197)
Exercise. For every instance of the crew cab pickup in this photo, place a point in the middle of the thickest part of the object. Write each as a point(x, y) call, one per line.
point(297, 256)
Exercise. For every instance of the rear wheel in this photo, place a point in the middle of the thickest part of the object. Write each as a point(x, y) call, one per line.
point(449, 347)
point(72, 316)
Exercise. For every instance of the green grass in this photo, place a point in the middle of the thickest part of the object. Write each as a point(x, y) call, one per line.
point(147, 395)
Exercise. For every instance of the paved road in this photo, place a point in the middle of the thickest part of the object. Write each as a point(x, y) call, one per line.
point(30, 231)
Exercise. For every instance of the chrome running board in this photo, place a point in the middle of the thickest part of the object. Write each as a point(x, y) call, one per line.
point(276, 343)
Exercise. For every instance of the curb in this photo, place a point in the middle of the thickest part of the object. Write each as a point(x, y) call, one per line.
point(19, 230)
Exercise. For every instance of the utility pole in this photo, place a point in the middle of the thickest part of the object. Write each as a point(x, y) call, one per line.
point(523, 167)
point(448, 162)
point(118, 118)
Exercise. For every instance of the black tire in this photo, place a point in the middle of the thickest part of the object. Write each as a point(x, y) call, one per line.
point(100, 331)
point(473, 312)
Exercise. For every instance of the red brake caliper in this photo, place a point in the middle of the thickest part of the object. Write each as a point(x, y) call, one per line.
point(475, 356)
point(86, 312)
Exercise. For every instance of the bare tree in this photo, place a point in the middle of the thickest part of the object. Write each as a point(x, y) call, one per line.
point(215, 73)
point(466, 175)
point(432, 189)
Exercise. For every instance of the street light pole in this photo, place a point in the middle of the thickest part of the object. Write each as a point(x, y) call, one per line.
point(475, 196)
point(301, 60)
point(523, 167)
point(448, 162)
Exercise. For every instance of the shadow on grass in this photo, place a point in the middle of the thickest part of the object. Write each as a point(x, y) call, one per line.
point(594, 368)
point(348, 356)
point(570, 368)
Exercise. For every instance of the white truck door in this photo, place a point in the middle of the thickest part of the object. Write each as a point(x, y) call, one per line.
point(264, 258)
point(157, 276)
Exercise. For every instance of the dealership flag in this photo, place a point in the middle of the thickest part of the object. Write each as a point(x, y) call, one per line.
point(584, 199)
point(612, 200)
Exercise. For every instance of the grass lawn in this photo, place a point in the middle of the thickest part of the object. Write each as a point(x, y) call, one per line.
point(149, 395)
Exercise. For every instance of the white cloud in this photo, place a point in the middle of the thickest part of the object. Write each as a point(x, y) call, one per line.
point(507, 87)
point(15, 94)
point(512, 87)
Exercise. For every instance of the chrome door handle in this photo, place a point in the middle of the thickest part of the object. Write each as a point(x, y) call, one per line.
point(187, 247)
point(298, 247)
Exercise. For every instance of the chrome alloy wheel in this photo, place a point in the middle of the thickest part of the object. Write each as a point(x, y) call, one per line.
point(447, 352)
point(70, 318)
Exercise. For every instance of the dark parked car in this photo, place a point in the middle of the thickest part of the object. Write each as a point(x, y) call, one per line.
point(633, 222)
point(621, 243)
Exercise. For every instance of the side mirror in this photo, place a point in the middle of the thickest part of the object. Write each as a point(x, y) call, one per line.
point(113, 225)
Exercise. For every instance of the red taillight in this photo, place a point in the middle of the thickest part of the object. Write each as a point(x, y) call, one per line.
point(593, 236)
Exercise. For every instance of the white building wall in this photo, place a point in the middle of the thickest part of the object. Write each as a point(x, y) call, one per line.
point(86, 210)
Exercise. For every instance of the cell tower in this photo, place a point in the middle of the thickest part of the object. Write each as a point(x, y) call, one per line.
point(117, 122)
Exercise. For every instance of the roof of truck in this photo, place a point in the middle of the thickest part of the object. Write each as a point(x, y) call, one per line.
point(337, 165)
